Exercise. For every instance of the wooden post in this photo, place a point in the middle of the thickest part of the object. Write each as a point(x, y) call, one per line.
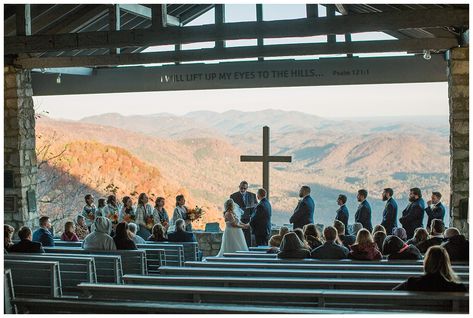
point(114, 23)
point(259, 18)
point(23, 19)
point(219, 21)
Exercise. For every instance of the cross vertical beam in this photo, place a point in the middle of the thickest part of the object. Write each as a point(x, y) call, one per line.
point(266, 159)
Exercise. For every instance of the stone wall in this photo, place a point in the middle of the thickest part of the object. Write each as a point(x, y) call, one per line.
point(20, 164)
point(209, 242)
point(458, 94)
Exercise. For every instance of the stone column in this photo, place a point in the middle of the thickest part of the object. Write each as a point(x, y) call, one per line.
point(458, 94)
point(20, 166)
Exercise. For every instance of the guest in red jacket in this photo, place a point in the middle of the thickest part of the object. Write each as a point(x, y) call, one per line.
point(364, 248)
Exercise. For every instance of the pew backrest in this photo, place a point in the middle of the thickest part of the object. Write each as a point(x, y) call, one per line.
point(378, 299)
point(40, 279)
point(191, 249)
point(8, 293)
point(174, 253)
point(73, 269)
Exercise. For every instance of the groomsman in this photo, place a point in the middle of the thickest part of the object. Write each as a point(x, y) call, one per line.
point(435, 209)
point(363, 214)
point(390, 211)
point(413, 214)
point(261, 219)
point(247, 202)
point(304, 212)
point(342, 212)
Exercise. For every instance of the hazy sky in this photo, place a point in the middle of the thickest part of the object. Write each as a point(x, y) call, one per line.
point(327, 101)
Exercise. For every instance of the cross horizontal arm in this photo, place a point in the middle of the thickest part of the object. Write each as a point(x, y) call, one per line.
point(280, 158)
point(351, 23)
point(269, 159)
point(251, 158)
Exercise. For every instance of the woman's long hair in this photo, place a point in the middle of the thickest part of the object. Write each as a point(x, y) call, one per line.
point(158, 232)
point(121, 232)
point(379, 228)
point(8, 233)
point(179, 198)
point(229, 205)
point(291, 242)
point(364, 237)
point(158, 199)
point(420, 235)
point(437, 261)
point(141, 199)
point(69, 228)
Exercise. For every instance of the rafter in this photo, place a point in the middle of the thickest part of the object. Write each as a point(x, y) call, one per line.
point(241, 30)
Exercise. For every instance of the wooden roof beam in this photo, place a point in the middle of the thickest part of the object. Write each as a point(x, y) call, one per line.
point(411, 45)
point(145, 12)
point(240, 30)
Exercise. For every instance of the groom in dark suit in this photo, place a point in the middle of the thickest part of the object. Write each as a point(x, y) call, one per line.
point(304, 212)
point(261, 219)
point(247, 202)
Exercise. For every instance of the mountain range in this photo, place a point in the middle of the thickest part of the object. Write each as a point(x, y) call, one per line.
point(198, 153)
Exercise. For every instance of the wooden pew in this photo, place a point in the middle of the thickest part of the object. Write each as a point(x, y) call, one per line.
point(8, 293)
point(35, 279)
point(258, 272)
point(264, 282)
point(190, 249)
point(359, 299)
point(133, 261)
point(310, 265)
point(108, 268)
point(86, 306)
point(173, 253)
point(73, 269)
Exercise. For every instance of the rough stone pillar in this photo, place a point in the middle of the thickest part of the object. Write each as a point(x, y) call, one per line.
point(20, 166)
point(458, 94)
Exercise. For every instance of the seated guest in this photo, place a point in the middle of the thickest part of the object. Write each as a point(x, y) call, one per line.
point(357, 226)
point(400, 232)
point(330, 249)
point(346, 240)
point(378, 238)
point(81, 228)
point(180, 234)
point(456, 245)
point(122, 237)
point(300, 234)
point(379, 228)
point(395, 248)
point(275, 240)
point(312, 236)
point(100, 238)
point(158, 234)
point(364, 248)
point(436, 236)
point(292, 247)
point(43, 234)
point(68, 234)
point(8, 235)
point(133, 228)
point(438, 274)
point(420, 235)
point(26, 245)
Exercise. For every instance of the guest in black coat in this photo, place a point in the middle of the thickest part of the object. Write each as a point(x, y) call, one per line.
point(26, 245)
point(435, 209)
point(304, 212)
point(420, 235)
point(247, 202)
point(342, 212)
point(292, 247)
point(395, 248)
point(330, 249)
point(378, 238)
point(312, 236)
point(261, 219)
point(438, 274)
point(158, 234)
point(122, 238)
point(390, 211)
point(413, 214)
point(456, 245)
point(363, 214)
point(180, 234)
point(344, 239)
point(436, 236)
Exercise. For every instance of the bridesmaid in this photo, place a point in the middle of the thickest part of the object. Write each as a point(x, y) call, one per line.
point(160, 214)
point(89, 212)
point(127, 208)
point(143, 210)
point(112, 209)
point(100, 207)
point(180, 212)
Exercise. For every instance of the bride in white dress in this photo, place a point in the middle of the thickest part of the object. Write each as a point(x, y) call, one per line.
point(233, 238)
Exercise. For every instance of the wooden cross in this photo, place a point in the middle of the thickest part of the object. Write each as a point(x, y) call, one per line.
point(266, 159)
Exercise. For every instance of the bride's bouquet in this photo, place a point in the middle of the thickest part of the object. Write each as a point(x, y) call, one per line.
point(195, 213)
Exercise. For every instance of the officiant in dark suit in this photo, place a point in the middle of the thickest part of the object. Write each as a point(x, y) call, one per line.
point(304, 212)
point(261, 219)
point(247, 202)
